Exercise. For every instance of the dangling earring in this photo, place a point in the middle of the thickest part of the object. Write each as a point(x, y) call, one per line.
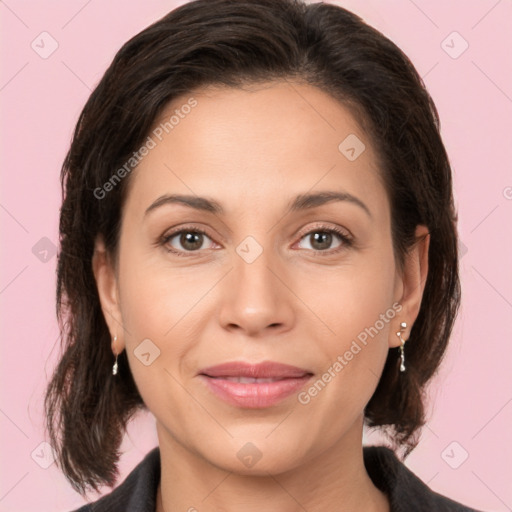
point(114, 368)
point(403, 326)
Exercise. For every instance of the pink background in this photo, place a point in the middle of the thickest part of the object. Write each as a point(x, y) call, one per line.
point(41, 99)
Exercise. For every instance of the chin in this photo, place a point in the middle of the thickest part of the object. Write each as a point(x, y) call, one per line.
point(254, 455)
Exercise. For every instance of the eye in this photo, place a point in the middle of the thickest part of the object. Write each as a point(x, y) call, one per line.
point(193, 240)
point(186, 240)
point(321, 239)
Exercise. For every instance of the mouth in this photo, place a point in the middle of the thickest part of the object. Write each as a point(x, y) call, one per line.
point(263, 370)
point(249, 380)
point(254, 386)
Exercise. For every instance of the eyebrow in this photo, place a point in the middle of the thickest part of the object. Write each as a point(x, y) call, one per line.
point(312, 200)
point(300, 202)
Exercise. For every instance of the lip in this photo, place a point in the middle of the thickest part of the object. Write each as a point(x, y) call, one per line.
point(286, 380)
point(265, 369)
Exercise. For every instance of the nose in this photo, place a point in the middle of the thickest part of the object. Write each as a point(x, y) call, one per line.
point(256, 299)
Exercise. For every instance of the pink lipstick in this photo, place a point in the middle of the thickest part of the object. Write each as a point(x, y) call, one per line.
point(254, 386)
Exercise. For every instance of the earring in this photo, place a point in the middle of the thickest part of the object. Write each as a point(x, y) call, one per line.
point(403, 326)
point(114, 368)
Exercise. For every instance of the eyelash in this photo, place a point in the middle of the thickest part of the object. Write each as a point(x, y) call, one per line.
point(346, 240)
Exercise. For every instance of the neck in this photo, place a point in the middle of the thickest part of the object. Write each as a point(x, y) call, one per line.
point(332, 481)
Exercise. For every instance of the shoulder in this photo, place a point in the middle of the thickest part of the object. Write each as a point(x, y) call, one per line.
point(405, 490)
point(137, 493)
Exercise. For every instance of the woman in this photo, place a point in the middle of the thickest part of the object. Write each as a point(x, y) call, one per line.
point(259, 246)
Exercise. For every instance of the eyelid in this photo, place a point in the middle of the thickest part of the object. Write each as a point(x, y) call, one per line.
point(169, 234)
point(347, 239)
point(345, 236)
point(325, 227)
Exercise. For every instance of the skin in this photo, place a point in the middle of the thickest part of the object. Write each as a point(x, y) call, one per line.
point(253, 151)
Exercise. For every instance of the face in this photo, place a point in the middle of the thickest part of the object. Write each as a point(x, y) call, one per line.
point(254, 271)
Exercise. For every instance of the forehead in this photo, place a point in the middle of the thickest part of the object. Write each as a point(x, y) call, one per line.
point(260, 142)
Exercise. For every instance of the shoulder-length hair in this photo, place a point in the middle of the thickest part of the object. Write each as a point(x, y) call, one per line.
point(237, 42)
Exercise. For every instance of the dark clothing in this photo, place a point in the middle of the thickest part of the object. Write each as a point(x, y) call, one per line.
point(406, 492)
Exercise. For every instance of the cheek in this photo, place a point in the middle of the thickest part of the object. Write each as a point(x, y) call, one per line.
point(149, 306)
point(155, 319)
point(356, 303)
point(157, 296)
point(164, 309)
point(351, 298)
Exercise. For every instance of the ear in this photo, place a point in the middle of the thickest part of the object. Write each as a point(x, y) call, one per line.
point(108, 291)
point(411, 284)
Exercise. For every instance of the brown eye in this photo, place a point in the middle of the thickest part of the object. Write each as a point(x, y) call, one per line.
point(322, 239)
point(191, 241)
point(186, 240)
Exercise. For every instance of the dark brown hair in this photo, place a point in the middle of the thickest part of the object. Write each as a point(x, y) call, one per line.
point(232, 43)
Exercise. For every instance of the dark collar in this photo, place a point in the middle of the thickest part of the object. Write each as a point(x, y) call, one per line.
point(406, 492)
